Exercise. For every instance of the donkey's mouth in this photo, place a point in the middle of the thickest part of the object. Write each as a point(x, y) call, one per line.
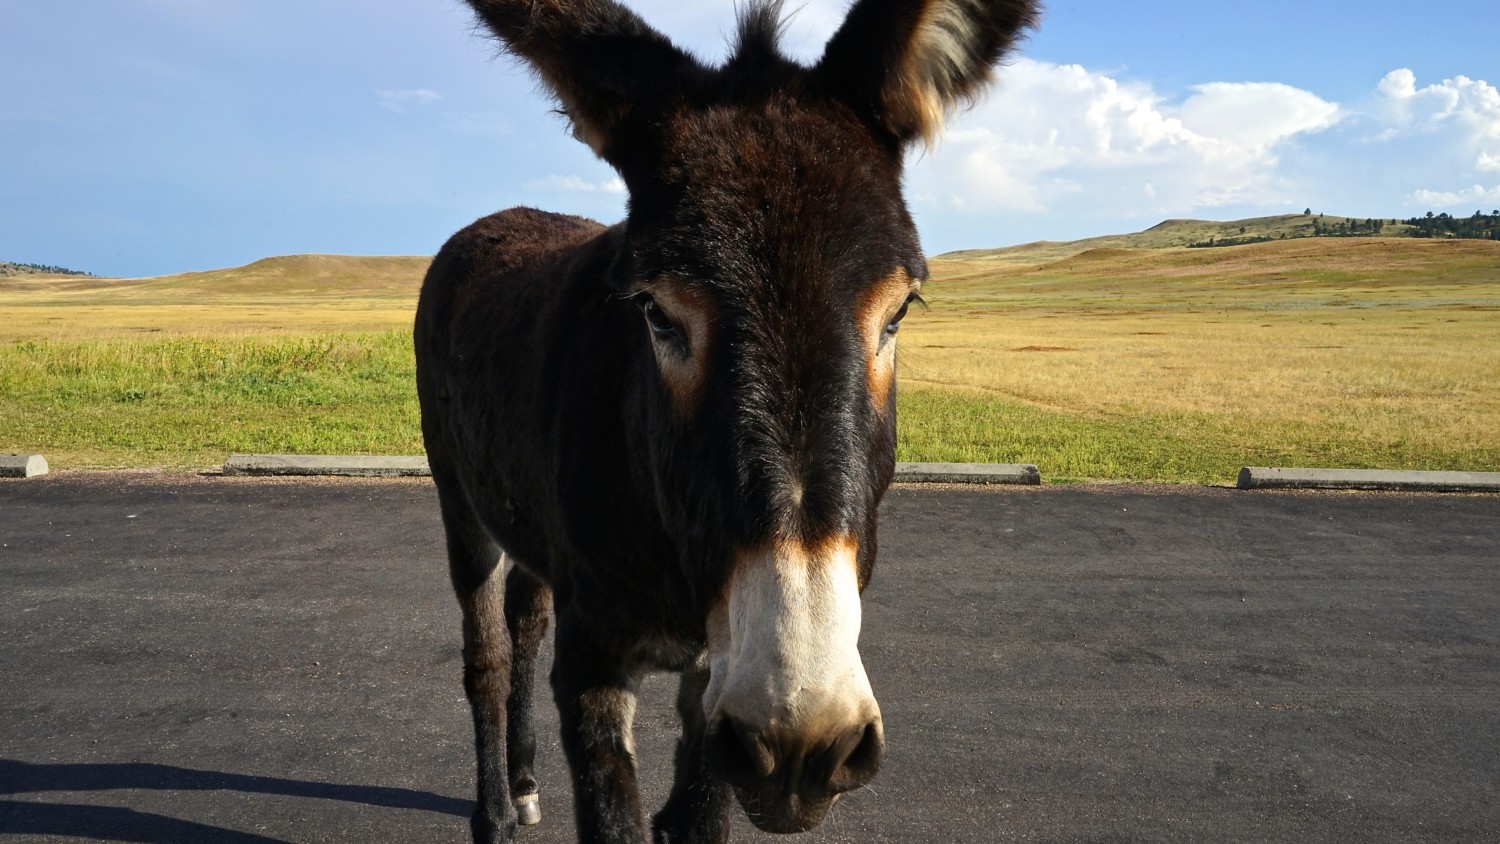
point(797, 793)
point(781, 813)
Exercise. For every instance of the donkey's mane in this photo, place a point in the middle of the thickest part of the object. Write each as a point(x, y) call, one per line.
point(757, 41)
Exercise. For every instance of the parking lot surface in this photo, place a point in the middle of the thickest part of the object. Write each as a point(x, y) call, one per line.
point(203, 659)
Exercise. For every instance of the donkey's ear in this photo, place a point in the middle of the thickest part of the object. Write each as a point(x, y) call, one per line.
point(598, 58)
point(905, 63)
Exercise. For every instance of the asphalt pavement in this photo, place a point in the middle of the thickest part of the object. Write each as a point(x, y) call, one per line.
point(250, 660)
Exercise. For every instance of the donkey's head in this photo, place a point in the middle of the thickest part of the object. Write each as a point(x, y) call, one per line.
point(772, 257)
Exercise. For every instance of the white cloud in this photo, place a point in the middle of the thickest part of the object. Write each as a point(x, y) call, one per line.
point(1452, 128)
point(1394, 95)
point(1050, 129)
point(1255, 115)
point(1448, 199)
point(398, 101)
point(575, 184)
point(1470, 105)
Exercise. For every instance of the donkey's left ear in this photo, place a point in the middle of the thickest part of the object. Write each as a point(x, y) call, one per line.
point(599, 59)
point(904, 63)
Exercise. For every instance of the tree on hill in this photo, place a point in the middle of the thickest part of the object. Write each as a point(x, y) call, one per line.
point(1233, 241)
point(1478, 227)
point(22, 268)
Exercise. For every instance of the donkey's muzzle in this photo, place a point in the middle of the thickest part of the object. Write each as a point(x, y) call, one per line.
point(788, 783)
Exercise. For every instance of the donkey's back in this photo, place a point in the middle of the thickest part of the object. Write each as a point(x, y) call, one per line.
point(503, 266)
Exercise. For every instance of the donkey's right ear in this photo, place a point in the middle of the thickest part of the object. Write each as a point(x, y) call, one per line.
point(905, 63)
point(598, 58)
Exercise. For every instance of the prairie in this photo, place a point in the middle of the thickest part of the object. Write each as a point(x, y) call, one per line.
point(1126, 358)
point(1177, 364)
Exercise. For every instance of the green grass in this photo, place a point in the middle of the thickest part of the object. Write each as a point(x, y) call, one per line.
point(1184, 364)
point(1093, 360)
point(186, 402)
point(947, 425)
point(961, 425)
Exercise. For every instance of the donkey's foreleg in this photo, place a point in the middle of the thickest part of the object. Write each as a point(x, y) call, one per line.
point(526, 606)
point(596, 705)
point(487, 663)
point(698, 810)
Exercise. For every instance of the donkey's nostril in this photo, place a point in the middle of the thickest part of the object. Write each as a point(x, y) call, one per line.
point(737, 752)
point(855, 758)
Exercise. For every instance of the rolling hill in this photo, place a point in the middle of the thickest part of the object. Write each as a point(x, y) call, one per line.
point(1157, 251)
point(293, 276)
point(9, 269)
point(1125, 357)
point(1165, 235)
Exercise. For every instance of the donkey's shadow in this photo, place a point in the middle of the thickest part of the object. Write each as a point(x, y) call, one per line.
point(20, 817)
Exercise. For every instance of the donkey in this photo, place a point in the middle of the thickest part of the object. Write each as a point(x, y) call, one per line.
point(676, 431)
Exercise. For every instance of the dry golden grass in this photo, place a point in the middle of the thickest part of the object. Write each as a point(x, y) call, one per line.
point(114, 320)
point(1105, 362)
point(308, 353)
point(1165, 235)
point(296, 294)
point(1384, 351)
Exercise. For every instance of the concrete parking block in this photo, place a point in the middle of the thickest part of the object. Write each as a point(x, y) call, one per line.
point(967, 473)
point(322, 464)
point(22, 465)
point(1259, 477)
point(364, 466)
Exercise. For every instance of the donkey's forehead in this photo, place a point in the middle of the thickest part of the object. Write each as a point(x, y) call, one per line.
point(761, 142)
point(776, 189)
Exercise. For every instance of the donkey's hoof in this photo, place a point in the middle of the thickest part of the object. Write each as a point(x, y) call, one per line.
point(529, 809)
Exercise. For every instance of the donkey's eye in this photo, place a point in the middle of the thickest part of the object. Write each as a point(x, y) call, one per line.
point(895, 324)
point(661, 326)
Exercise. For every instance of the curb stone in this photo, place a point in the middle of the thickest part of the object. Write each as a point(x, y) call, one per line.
point(1250, 477)
point(22, 465)
point(323, 464)
point(1262, 477)
point(967, 473)
point(358, 466)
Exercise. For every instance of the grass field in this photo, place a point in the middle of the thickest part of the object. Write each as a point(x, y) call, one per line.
point(1181, 364)
point(1092, 361)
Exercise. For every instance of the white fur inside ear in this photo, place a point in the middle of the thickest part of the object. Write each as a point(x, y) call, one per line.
point(941, 65)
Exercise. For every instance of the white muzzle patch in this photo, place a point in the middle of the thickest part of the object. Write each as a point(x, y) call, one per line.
point(783, 645)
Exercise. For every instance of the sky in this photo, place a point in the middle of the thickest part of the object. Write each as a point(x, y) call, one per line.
point(145, 137)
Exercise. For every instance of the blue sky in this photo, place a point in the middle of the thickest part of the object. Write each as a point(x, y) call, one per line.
point(141, 137)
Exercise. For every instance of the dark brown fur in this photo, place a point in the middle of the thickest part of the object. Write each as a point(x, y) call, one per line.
point(767, 197)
